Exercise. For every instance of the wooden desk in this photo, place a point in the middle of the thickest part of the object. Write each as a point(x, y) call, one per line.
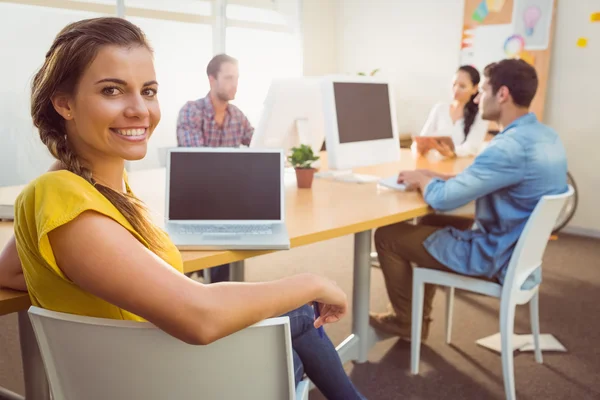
point(329, 210)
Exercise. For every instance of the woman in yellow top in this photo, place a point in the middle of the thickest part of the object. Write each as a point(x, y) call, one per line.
point(85, 243)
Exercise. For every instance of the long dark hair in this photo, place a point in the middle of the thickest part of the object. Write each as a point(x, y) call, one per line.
point(471, 109)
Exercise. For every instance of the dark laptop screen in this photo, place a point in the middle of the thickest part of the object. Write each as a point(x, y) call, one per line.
point(225, 186)
point(363, 111)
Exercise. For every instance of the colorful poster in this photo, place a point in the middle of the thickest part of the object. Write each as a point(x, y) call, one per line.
point(532, 20)
point(487, 45)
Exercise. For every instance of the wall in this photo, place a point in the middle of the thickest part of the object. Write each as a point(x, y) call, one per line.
point(572, 104)
point(416, 45)
point(319, 26)
point(413, 42)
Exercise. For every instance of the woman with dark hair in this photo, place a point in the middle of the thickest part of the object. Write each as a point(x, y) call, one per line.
point(459, 120)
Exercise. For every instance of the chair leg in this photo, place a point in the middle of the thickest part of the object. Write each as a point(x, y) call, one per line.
point(507, 324)
point(449, 310)
point(534, 316)
point(416, 323)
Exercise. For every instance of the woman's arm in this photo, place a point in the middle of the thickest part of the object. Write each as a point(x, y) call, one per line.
point(472, 145)
point(431, 125)
point(104, 259)
point(429, 129)
point(11, 273)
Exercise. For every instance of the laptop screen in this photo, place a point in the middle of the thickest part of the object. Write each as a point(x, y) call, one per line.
point(225, 186)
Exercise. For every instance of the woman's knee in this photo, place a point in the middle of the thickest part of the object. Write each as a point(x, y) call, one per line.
point(301, 319)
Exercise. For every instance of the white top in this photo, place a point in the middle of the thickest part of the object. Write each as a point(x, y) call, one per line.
point(439, 123)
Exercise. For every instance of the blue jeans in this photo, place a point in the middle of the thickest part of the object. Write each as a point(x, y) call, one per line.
point(218, 274)
point(318, 358)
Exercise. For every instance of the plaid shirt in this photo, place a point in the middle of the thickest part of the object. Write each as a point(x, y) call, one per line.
point(196, 126)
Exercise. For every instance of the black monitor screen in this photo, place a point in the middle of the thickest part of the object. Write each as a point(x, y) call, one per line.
point(225, 186)
point(363, 111)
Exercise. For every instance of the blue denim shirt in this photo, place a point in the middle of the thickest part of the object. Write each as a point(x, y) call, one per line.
point(521, 164)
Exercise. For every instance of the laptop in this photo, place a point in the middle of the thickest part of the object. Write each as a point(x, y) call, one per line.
point(226, 199)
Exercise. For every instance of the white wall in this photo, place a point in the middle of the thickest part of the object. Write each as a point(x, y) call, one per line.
point(416, 43)
point(572, 105)
point(319, 28)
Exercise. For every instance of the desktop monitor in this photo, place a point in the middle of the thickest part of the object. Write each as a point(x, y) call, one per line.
point(360, 122)
point(292, 115)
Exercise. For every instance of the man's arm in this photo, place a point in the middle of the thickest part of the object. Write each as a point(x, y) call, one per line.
point(247, 131)
point(433, 174)
point(499, 166)
point(189, 127)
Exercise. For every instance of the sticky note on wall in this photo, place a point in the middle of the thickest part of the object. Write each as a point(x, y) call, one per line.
point(595, 17)
point(495, 5)
point(582, 42)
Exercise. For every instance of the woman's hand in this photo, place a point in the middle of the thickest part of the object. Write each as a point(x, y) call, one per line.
point(444, 149)
point(333, 303)
point(423, 145)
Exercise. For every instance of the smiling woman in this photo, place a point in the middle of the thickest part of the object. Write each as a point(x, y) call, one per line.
point(79, 115)
point(85, 242)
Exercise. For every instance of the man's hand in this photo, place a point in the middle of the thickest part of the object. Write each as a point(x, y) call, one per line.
point(417, 179)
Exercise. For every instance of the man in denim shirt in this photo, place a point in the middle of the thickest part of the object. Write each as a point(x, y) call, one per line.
point(521, 164)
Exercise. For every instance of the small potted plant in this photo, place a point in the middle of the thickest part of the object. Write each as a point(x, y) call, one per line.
point(301, 159)
point(372, 73)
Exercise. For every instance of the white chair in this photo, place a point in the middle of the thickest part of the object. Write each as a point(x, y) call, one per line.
point(98, 359)
point(526, 258)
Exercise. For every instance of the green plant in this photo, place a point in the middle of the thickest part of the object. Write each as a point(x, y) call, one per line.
point(376, 70)
point(302, 157)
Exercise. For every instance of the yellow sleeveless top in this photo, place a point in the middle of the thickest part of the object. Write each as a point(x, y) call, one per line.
point(52, 200)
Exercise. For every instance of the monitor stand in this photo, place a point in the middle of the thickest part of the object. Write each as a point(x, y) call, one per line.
point(347, 176)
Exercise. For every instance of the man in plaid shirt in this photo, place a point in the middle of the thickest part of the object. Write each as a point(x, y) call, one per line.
point(213, 122)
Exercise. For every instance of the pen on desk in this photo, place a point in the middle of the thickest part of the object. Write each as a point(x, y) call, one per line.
point(317, 315)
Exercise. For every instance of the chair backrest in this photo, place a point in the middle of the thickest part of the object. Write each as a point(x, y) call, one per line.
point(532, 243)
point(99, 359)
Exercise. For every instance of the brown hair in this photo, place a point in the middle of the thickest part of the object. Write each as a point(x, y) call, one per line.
point(74, 49)
point(517, 75)
point(214, 66)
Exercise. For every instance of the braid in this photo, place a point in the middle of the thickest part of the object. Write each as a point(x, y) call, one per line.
point(59, 148)
point(131, 207)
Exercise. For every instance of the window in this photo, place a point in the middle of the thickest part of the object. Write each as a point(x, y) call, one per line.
point(181, 53)
point(266, 41)
point(263, 35)
point(191, 7)
point(22, 155)
point(263, 56)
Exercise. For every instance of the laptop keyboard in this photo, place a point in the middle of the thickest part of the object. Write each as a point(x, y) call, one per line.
point(226, 229)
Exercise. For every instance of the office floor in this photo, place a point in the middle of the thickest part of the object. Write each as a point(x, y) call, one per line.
point(570, 306)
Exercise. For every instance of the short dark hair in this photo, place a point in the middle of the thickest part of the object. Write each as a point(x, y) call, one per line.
point(518, 76)
point(214, 65)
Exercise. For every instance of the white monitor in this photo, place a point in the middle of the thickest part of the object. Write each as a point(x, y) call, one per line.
point(360, 122)
point(292, 115)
